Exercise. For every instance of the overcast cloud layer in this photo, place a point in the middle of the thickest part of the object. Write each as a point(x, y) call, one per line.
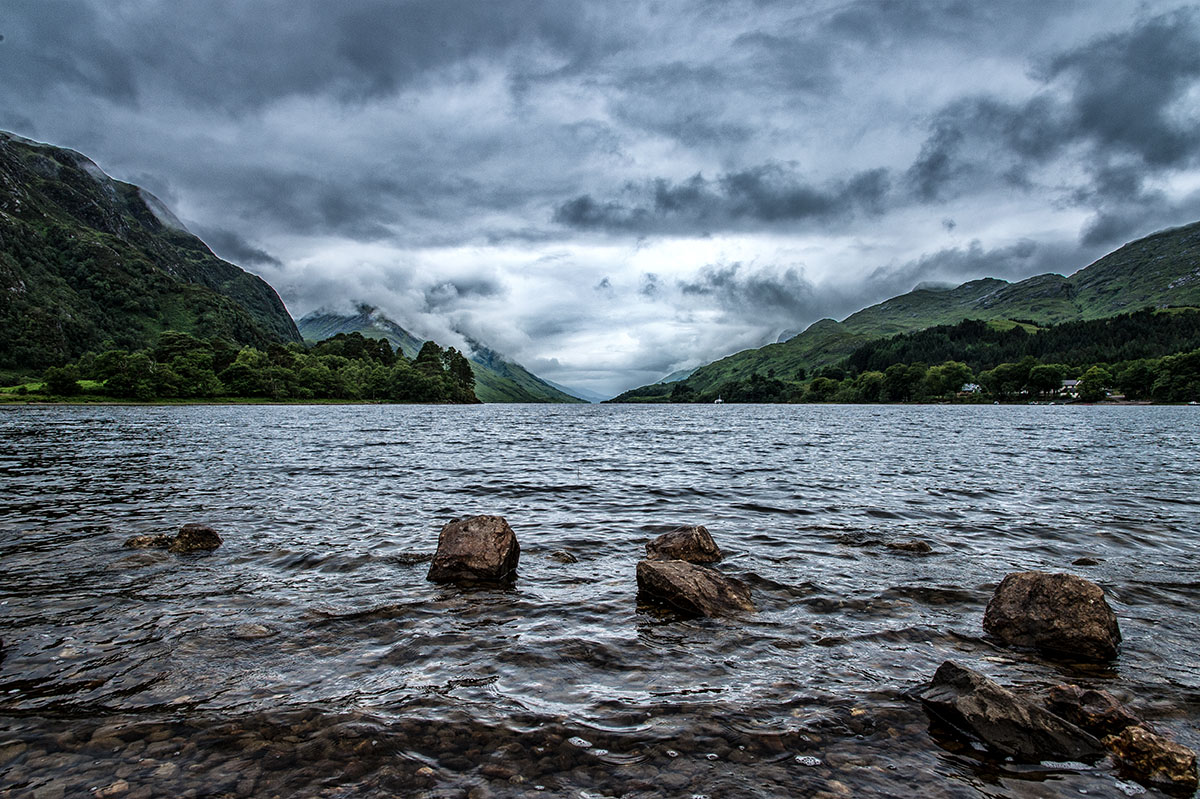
point(610, 191)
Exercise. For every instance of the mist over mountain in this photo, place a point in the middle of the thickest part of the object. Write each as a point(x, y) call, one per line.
point(497, 379)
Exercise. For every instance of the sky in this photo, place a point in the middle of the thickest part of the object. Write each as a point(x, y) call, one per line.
point(610, 191)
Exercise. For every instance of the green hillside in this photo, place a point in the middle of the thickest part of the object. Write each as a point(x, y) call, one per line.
point(496, 379)
point(89, 263)
point(1160, 270)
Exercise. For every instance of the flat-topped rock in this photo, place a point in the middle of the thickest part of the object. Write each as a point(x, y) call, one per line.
point(692, 589)
point(1058, 614)
point(693, 544)
point(476, 549)
point(1006, 722)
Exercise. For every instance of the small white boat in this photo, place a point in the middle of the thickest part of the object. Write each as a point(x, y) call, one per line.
point(718, 401)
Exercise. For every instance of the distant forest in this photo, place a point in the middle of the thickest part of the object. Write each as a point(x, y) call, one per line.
point(1147, 355)
point(345, 367)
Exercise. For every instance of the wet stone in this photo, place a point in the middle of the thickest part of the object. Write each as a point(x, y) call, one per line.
point(1098, 712)
point(195, 538)
point(147, 541)
point(562, 556)
point(479, 548)
point(692, 544)
point(692, 589)
point(913, 546)
point(1058, 614)
point(1012, 725)
point(1154, 759)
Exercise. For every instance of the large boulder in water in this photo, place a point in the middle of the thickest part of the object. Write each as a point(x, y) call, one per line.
point(693, 544)
point(195, 538)
point(1153, 759)
point(1058, 614)
point(691, 589)
point(479, 548)
point(1014, 726)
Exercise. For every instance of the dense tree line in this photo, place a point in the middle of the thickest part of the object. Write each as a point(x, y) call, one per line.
point(1143, 334)
point(345, 367)
point(1173, 378)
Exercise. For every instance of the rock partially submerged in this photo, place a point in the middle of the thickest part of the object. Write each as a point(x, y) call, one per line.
point(692, 589)
point(475, 549)
point(1098, 712)
point(195, 538)
point(148, 541)
point(1057, 614)
point(693, 544)
point(1005, 722)
point(1151, 758)
point(190, 538)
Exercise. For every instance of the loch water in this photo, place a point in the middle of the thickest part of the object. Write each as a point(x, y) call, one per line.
point(309, 656)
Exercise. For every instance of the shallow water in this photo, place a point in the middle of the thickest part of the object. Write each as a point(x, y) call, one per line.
point(309, 656)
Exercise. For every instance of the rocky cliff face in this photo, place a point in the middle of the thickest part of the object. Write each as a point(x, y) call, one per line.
point(88, 262)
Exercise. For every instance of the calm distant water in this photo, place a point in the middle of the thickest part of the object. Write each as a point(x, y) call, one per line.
point(309, 656)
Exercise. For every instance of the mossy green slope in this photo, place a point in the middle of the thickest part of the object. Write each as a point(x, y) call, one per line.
point(1162, 269)
point(496, 379)
point(88, 262)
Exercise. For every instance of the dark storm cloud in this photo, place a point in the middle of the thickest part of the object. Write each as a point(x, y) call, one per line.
point(63, 43)
point(756, 197)
point(764, 294)
point(353, 50)
point(232, 247)
point(1122, 96)
point(450, 294)
point(954, 265)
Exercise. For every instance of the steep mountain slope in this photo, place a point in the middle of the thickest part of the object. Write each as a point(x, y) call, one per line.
point(496, 379)
point(87, 261)
point(1162, 269)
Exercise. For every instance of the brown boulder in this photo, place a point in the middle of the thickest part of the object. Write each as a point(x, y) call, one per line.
point(691, 589)
point(1058, 614)
point(692, 544)
point(1151, 758)
point(479, 548)
point(195, 538)
point(1010, 724)
point(1098, 712)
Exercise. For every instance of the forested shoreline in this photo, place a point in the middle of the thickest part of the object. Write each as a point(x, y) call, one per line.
point(346, 367)
point(973, 361)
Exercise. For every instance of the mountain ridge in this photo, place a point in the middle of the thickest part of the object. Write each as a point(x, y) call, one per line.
point(87, 261)
point(1160, 269)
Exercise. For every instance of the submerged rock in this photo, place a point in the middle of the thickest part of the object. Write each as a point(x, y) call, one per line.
point(1154, 759)
point(479, 548)
point(148, 541)
point(1008, 723)
point(693, 544)
point(190, 538)
point(562, 556)
point(692, 589)
point(1098, 712)
point(195, 538)
point(914, 545)
point(1058, 614)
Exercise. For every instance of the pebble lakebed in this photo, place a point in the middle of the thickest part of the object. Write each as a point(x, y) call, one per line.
point(309, 656)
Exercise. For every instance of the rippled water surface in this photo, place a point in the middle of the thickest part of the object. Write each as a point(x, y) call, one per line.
point(309, 656)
